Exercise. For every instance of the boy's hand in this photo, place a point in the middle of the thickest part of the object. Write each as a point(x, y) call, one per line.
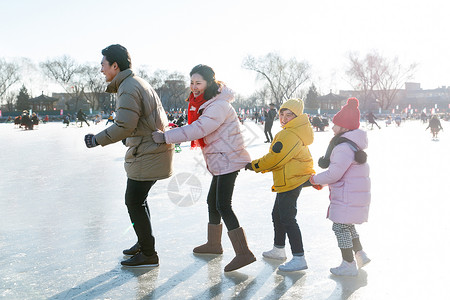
point(249, 167)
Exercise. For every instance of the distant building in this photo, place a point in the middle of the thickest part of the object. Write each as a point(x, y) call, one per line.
point(42, 103)
point(331, 101)
point(438, 98)
point(412, 97)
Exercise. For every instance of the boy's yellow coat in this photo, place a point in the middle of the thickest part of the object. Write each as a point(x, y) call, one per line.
point(292, 165)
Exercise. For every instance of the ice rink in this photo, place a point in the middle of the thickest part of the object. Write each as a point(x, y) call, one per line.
point(64, 224)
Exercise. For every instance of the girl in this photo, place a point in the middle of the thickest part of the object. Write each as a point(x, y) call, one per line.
point(349, 183)
point(213, 126)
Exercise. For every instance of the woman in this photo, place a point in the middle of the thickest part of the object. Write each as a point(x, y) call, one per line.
point(213, 126)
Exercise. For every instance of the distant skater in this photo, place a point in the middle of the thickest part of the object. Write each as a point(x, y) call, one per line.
point(398, 120)
point(213, 126)
point(34, 119)
point(423, 117)
point(66, 120)
point(139, 113)
point(348, 180)
point(25, 121)
point(291, 165)
point(17, 121)
point(111, 118)
point(268, 122)
point(371, 118)
point(388, 121)
point(81, 116)
point(435, 126)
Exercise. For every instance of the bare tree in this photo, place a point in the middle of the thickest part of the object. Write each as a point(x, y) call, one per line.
point(9, 75)
point(262, 96)
point(31, 76)
point(363, 75)
point(142, 72)
point(392, 77)
point(174, 91)
point(158, 78)
point(283, 77)
point(11, 98)
point(68, 74)
point(239, 101)
point(378, 78)
point(170, 86)
point(95, 85)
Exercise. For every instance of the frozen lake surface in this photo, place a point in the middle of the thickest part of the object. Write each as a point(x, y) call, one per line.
point(64, 223)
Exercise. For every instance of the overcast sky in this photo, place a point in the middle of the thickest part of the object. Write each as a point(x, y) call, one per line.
point(176, 35)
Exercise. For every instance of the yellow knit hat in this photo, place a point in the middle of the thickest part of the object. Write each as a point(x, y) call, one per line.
point(294, 105)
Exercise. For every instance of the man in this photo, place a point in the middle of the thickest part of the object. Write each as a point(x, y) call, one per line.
point(81, 116)
point(371, 118)
point(139, 112)
point(270, 116)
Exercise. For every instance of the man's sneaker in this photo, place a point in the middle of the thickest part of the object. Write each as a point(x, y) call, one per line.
point(141, 260)
point(345, 269)
point(133, 250)
point(361, 259)
point(297, 263)
point(275, 253)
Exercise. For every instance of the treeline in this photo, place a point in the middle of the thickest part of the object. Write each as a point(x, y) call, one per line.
point(374, 76)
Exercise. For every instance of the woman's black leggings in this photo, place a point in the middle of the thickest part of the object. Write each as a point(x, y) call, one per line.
point(219, 200)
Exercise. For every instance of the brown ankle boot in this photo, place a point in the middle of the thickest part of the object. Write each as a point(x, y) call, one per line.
point(214, 244)
point(243, 255)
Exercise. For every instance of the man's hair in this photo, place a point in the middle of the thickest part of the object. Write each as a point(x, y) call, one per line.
point(117, 54)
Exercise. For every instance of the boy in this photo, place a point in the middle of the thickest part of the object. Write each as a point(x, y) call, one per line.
point(291, 164)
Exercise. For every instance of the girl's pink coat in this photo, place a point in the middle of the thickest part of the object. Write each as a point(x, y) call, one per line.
point(348, 181)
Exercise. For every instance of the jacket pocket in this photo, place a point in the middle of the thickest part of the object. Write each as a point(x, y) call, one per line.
point(217, 162)
point(279, 177)
point(337, 192)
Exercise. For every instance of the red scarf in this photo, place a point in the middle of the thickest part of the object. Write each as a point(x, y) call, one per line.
point(193, 114)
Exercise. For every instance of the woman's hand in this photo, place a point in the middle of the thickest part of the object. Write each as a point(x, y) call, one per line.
point(158, 137)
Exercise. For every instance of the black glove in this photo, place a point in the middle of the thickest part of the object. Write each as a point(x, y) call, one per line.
point(90, 141)
point(249, 167)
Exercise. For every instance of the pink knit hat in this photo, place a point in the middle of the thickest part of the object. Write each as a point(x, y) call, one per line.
point(348, 116)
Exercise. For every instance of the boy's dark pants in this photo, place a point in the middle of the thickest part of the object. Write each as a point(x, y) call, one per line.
point(136, 201)
point(284, 222)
